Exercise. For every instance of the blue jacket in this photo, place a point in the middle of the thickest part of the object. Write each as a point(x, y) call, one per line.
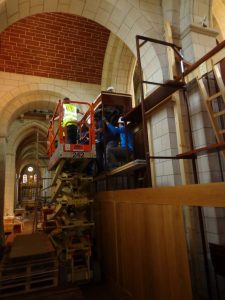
point(123, 136)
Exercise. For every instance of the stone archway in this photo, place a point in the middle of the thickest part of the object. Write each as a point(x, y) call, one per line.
point(21, 132)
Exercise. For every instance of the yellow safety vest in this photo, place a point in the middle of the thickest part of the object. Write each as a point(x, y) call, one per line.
point(70, 114)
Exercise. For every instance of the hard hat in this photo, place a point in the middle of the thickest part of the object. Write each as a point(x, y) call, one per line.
point(110, 89)
point(120, 120)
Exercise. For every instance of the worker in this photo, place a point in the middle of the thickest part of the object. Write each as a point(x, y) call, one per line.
point(99, 142)
point(104, 139)
point(110, 89)
point(84, 135)
point(69, 124)
point(118, 154)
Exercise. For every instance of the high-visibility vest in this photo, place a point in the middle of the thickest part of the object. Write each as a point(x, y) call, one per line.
point(70, 114)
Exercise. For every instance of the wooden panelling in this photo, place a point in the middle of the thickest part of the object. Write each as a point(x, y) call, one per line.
point(149, 247)
point(210, 194)
point(145, 251)
point(108, 239)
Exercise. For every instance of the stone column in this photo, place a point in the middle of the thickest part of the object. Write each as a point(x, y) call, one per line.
point(9, 184)
point(196, 41)
point(2, 185)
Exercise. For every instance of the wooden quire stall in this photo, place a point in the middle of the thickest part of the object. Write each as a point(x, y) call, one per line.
point(143, 243)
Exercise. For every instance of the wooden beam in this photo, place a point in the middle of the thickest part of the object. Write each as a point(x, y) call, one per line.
point(210, 194)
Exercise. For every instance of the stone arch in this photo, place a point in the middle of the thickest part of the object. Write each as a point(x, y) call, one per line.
point(27, 97)
point(123, 18)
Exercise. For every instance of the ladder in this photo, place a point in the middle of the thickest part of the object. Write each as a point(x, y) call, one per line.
point(212, 89)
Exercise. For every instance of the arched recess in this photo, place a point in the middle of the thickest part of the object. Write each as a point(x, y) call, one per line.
point(21, 150)
point(28, 149)
point(123, 18)
point(23, 142)
point(21, 99)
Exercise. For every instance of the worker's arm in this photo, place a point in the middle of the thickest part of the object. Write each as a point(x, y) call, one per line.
point(99, 130)
point(80, 112)
point(114, 130)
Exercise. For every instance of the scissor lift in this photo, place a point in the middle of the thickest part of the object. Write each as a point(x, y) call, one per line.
point(70, 191)
point(58, 149)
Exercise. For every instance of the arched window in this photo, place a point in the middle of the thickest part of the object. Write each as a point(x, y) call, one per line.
point(24, 178)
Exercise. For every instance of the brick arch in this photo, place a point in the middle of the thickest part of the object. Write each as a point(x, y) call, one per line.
point(55, 45)
point(110, 14)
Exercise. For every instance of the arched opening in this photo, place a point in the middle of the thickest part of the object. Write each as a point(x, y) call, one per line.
point(30, 185)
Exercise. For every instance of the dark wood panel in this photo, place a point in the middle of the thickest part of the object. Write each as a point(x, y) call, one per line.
point(144, 239)
point(149, 244)
point(108, 239)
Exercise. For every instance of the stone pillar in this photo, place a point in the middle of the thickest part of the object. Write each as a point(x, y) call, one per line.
point(164, 143)
point(196, 41)
point(2, 184)
point(10, 177)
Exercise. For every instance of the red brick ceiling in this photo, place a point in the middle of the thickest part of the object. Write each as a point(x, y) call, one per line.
point(55, 45)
